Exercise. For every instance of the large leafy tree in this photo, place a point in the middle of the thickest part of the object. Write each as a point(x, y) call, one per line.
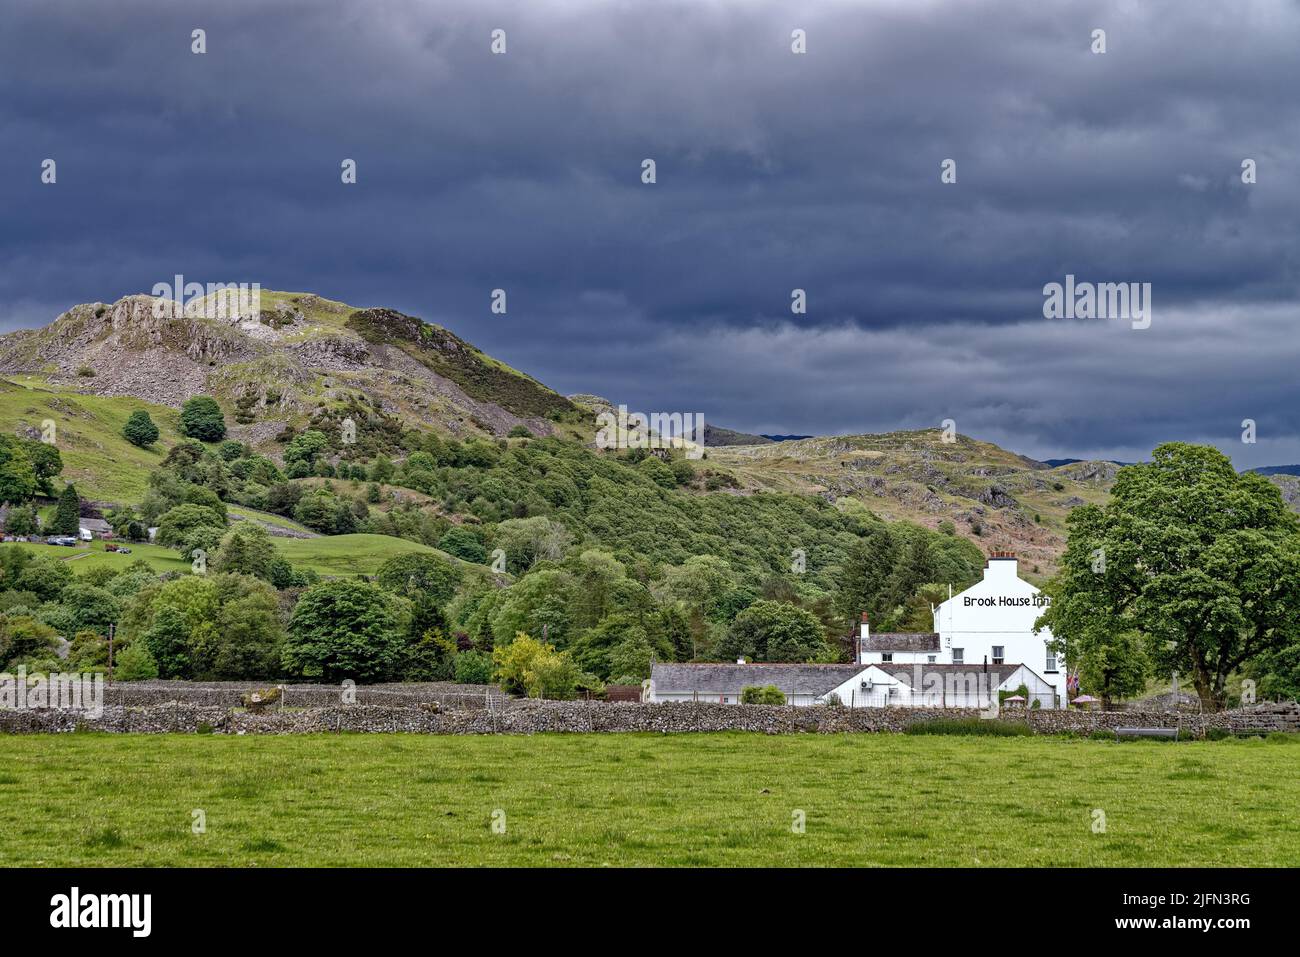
point(1203, 563)
point(175, 526)
point(774, 631)
point(246, 549)
point(17, 475)
point(867, 577)
point(420, 573)
point(201, 419)
point(346, 629)
point(46, 463)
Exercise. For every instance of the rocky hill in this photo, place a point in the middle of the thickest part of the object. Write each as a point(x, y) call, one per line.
point(303, 360)
point(295, 359)
point(1003, 501)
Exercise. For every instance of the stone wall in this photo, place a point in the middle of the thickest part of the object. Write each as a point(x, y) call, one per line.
point(229, 694)
point(531, 717)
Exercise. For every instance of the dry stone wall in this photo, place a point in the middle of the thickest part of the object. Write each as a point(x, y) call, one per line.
point(533, 717)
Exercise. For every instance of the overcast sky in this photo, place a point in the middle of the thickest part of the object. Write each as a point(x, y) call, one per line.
point(775, 171)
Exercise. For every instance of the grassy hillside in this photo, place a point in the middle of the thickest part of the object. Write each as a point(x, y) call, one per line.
point(332, 557)
point(103, 465)
point(1001, 500)
point(672, 800)
point(347, 554)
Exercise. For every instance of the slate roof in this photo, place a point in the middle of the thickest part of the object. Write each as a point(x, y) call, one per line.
point(905, 673)
point(95, 524)
point(729, 679)
point(901, 641)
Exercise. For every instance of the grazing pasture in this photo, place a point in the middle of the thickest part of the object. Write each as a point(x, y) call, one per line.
point(646, 799)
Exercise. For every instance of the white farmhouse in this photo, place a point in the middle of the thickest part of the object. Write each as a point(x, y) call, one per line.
point(983, 643)
point(993, 621)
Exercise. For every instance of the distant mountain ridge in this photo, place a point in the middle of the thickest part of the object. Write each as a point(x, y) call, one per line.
point(1056, 463)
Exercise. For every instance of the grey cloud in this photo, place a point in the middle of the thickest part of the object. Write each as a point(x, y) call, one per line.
point(775, 171)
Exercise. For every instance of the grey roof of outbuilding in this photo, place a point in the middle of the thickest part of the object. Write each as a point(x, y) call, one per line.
point(95, 524)
point(901, 641)
point(731, 678)
point(907, 673)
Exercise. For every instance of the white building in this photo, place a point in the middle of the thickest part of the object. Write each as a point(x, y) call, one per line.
point(983, 643)
point(994, 619)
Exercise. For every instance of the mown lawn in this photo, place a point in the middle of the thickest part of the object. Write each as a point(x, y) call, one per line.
point(641, 799)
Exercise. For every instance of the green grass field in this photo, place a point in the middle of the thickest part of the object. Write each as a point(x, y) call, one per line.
point(346, 554)
point(331, 557)
point(89, 555)
point(638, 799)
point(268, 518)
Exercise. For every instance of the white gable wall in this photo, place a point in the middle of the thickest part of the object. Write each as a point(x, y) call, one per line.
point(999, 610)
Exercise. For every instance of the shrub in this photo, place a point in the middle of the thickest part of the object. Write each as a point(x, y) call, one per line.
point(140, 429)
point(22, 520)
point(970, 726)
point(683, 471)
point(766, 694)
point(463, 543)
point(473, 668)
point(529, 667)
point(520, 432)
point(135, 663)
point(85, 372)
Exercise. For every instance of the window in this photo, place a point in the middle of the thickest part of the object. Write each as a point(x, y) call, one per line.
point(886, 656)
point(957, 654)
point(930, 658)
point(1051, 662)
point(999, 654)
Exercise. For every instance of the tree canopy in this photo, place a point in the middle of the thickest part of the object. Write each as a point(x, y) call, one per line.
point(201, 419)
point(1201, 562)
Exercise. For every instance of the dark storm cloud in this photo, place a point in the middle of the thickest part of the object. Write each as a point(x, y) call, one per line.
point(775, 171)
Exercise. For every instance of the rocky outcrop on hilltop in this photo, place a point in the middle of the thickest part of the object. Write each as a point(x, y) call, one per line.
point(282, 361)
